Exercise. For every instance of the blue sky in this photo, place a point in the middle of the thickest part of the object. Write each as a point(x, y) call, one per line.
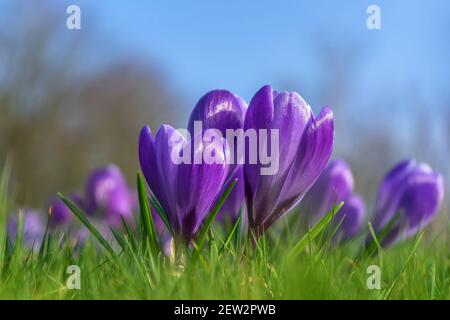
point(241, 45)
point(201, 45)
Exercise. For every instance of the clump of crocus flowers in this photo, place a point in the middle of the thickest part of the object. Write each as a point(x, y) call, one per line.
point(186, 191)
point(305, 147)
point(31, 225)
point(106, 199)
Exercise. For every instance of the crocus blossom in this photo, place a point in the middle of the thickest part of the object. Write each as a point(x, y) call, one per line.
point(305, 146)
point(109, 197)
point(33, 229)
point(334, 185)
point(186, 191)
point(59, 213)
point(222, 110)
point(409, 198)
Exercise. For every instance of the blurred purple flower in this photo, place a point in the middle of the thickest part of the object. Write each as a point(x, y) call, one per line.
point(222, 110)
point(351, 217)
point(186, 191)
point(409, 198)
point(305, 146)
point(108, 196)
point(33, 229)
point(60, 214)
point(334, 185)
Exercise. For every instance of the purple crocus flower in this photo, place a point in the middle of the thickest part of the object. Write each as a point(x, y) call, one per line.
point(186, 191)
point(305, 145)
point(33, 229)
point(108, 196)
point(409, 198)
point(334, 185)
point(222, 110)
point(60, 214)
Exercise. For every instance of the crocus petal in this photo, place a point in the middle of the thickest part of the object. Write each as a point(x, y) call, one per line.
point(234, 203)
point(59, 213)
point(198, 187)
point(313, 155)
point(270, 196)
point(288, 190)
point(222, 110)
point(33, 229)
point(334, 185)
point(109, 197)
point(410, 196)
point(218, 109)
point(159, 223)
point(421, 200)
point(286, 112)
point(119, 206)
point(159, 169)
point(186, 191)
point(147, 160)
point(350, 217)
point(387, 197)
point(158, 179)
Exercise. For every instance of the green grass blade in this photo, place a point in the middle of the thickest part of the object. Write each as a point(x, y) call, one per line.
point(212, 215)
point(129, 233)
point(84, 220)
point(45, 239)
point(375, 239)
point(146, 216)
point(314, 231)
point(119, 239)
point(378, 237)
point(230, 235)
point(238, 234)
point(7, 255)
point(413, 251)
point(4, 182)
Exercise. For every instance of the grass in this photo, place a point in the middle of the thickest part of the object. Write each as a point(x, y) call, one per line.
point(284, 264)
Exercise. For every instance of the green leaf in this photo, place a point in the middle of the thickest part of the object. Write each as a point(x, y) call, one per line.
point(212, 215)
point(314, 231)
point(375, 239)
point(146, 216)
point(84, 220)
point(238, 235)
point(44, 242)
